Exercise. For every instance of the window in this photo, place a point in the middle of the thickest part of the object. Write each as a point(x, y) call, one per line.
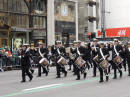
point(1, 4)
point(10, 5)
point(39, 22)
point(5, 5)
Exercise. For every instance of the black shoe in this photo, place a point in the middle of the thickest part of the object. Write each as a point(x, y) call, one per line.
point(32, 71)
point(74, 74)
point(128, 74)
point(65, 74)
point(47, 73)
point(39, 76)
point(114, 77)
point(23, 81)
point(69, 69)
point(94, 75)
point(101, 81)
point(78, 79)
point(31, 79)
point(58, 77)
point(85, 74)
point(120, 74)
point(107, 78)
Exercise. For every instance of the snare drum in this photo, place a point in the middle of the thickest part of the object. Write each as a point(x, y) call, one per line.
point(44, 62)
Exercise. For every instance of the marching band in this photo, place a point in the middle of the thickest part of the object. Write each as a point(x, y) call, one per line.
point(96, 55)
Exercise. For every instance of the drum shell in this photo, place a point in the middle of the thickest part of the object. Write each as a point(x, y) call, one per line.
point(104, 64)
point(80, 62)
point(44, 62)
point(62, 61)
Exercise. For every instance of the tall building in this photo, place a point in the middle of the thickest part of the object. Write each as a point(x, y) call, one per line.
point(88, 13)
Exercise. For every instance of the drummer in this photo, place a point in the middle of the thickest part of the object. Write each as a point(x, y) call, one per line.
point(73, 51)
point(103, 54)
point(60, 52)
point(41, 53)
point(80, 53)
point(25, 63)
point(128, 57)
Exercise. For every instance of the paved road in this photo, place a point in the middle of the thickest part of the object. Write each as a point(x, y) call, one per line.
point(10, 86)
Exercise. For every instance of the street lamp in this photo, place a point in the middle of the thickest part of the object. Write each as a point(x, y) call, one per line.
point(76, 20)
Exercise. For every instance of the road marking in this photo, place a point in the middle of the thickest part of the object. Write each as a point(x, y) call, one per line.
point(54, 86)
point(49, 88)
point(42, 87)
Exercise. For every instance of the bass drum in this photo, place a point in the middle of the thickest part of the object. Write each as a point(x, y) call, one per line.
point(62, 61)
point(44, 62)
point(80, 62)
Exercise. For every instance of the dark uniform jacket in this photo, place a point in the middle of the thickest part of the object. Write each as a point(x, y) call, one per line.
point(105, 53)
point(95, 52)
point(119, 50)
point(73, 50)
point(53, 50)
point(25, 61)
point(43, 51)
point(33, 52)
point(88, 52)
point(128, 55)
point(61, 50)
point(81, 50)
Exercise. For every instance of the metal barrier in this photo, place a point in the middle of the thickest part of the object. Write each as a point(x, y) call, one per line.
point(14, 62)
point(1, 65)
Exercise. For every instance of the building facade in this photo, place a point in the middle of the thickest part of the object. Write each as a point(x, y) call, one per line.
point(14, 28)
point(64, 21)
point(38, 21)
point(22, 21)
point(31, 21)
point(88, 19)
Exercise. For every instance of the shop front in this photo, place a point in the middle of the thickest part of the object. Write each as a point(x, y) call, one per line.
point(19, 36)
point(4, 30)
point(4, 37)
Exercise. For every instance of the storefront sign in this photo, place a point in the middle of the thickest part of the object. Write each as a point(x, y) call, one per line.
point(118, 32)
point(65, 27)
point(20, 29)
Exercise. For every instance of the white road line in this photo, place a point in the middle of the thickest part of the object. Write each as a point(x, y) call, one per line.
point(41, 87)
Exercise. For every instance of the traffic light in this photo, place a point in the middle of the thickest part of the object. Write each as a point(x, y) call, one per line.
point(91, 19)
point(93, 35)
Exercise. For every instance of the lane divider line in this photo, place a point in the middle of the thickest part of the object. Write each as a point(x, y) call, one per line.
point(42, 87)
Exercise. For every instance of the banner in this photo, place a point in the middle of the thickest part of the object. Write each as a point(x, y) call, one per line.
point(118, 32)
